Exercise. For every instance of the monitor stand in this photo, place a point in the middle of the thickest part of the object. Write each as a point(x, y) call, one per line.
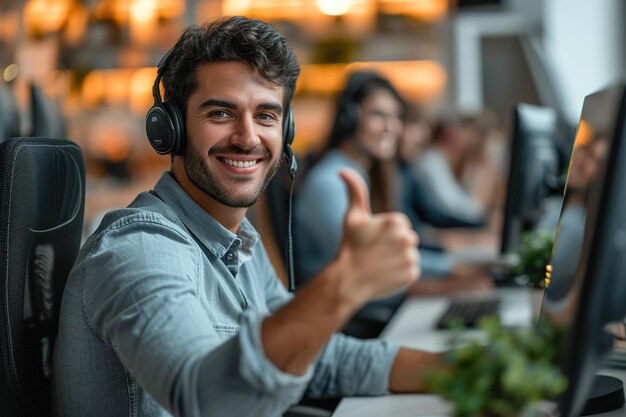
point(607, 393)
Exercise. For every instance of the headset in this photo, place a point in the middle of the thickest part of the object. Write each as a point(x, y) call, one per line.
point(165, 125)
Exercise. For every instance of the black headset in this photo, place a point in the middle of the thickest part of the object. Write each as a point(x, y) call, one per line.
point(165, 125)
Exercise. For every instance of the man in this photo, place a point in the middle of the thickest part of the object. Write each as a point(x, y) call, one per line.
point(172, 305)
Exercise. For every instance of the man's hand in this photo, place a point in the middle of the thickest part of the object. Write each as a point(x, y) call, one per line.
point(378, 253)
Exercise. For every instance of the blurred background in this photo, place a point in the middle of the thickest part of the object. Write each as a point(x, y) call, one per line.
point(83, 69)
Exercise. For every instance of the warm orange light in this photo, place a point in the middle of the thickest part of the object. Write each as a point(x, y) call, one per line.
point(279, 9)
point(76, 25)
point(236, 7)
point(428, 10)
point(140, 98)
point(107, 86)
point(143, 11)
point(334, 7)
point(321, 78)
point(111, 143)
point(318, 17)
point(266, 9)
point(46, 15)
point(421, 80)
point(117, 82)
point(170, 9)
point(9, 26)
point(143, 20)
point(123, 10)
point(584, 134)
point(93, 89)
point(312, 11)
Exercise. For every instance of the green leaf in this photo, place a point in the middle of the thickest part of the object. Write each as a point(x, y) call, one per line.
point(515, 368)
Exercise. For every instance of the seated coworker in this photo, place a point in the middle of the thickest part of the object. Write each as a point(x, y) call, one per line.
point(364, 137)
point(415, 201)
point(173, 308)
point(435, 170)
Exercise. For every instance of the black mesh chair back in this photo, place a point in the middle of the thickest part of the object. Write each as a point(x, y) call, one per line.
point(42, 199)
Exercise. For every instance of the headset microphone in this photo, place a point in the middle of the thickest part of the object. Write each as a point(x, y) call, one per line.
point(291, 159)
point(288, 134)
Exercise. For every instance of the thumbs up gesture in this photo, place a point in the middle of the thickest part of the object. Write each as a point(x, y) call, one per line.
point(378, 253)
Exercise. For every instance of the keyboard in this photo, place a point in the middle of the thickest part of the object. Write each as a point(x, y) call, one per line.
point(467, 312)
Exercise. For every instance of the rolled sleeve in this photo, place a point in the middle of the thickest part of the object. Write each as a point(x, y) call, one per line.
point(349, 366)
point(259, 371)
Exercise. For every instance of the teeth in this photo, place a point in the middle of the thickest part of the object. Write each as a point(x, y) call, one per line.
point(240, 164)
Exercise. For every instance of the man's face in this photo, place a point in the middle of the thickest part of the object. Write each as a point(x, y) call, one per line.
point(234, 133)
point(380, 124)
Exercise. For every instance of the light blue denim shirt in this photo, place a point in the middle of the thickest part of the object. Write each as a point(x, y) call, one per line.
point(161, 315)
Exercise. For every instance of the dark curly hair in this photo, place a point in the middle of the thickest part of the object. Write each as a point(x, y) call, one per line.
point(230, 38)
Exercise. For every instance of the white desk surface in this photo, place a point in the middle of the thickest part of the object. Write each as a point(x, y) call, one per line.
point(412, 326)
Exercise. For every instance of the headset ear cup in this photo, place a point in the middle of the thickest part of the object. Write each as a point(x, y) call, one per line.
point(289, 128)
point(350, 117)
point(178, 123)
point(159, 129)
point(348, 108)
point(164, 128)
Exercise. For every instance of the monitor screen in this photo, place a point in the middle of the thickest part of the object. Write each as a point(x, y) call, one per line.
point(587, 274)
point(535, 167)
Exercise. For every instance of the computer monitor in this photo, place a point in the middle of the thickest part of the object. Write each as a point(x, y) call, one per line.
point(46, 117)
point(587, 273)
point(9, 115)
point(535, 168)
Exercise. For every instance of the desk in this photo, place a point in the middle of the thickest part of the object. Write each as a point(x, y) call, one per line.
point(412, 327)
point(413, 324)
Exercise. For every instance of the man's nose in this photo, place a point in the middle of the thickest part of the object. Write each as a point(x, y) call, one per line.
point(245, 135)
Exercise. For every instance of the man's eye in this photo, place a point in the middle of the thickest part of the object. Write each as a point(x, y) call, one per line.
point(218, 114)
point(266, 117)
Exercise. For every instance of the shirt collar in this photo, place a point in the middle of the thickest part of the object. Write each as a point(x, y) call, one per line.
point(205, 228)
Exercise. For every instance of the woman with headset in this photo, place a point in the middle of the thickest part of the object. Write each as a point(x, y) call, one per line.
point(365, 135)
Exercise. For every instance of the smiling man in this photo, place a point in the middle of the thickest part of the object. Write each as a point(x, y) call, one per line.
point(173, 308)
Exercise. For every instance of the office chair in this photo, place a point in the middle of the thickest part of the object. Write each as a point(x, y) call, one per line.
point(42, 197)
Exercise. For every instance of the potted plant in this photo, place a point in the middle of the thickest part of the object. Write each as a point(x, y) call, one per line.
point(503, 375)
point(533, 257)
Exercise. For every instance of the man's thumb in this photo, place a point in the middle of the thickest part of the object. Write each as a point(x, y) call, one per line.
point(357, 193)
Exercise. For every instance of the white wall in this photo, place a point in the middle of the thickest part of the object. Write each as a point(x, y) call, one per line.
point(583, 46)
point(468, 31)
